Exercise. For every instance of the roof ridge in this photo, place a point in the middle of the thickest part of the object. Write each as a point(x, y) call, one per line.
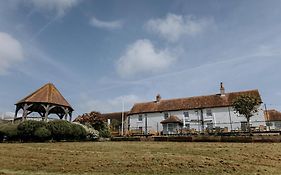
point(170, 99)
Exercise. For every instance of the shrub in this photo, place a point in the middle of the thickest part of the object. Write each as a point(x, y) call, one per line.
point(1, 136)
point(26, 129)
point(9, 131)
point(60, 129)
point(78, 132)
point(42, 134)
point(105, 133)
point(64, 130)
point(91, 133)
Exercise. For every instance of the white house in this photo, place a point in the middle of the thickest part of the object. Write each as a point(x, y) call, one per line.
point(196, 113)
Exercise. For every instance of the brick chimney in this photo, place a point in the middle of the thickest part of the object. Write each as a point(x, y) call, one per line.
point(222, 90)
point(158, 98)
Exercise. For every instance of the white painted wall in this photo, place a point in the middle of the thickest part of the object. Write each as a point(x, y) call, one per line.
point(221, 117)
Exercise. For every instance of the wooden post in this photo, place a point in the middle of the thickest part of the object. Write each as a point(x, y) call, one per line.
point(47, 108)
point(25, 111)
point(66, 112)
point(16, 113)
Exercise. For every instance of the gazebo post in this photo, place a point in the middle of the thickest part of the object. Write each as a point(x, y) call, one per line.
point(66, 112)
point(47, 108)
point(25, 111)
point(16, 113)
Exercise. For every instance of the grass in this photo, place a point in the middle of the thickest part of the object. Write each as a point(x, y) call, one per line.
point(139, 158)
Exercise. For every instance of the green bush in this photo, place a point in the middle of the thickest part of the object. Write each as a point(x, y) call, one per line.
point(91, 133)
point(104, 132)
point(26, 129)
point(9, 132)
point(42, 134)
point(60, 129)
point(78, 132)
point(64, 130)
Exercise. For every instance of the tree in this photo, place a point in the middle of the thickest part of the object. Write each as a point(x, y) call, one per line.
point(247, 106)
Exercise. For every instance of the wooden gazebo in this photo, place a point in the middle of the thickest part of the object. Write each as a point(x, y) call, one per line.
point(45, 101)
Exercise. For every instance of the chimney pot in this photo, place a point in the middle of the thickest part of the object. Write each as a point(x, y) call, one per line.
point(222, 90)
point(158, 97)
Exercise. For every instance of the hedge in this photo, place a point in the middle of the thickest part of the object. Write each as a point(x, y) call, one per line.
point(27, 129)
point(31, 130)
point(64, 130)
point(9, 132)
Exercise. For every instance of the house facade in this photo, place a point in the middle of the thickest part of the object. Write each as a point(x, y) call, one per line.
point(198, 113)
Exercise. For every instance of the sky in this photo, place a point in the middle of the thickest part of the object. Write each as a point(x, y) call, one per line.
point(101, 53)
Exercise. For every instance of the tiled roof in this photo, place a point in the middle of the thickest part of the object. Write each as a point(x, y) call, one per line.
point(114, 115)
point(46, 94)
point(171, 119)
point(209, 101)
point(272, 115)
point(89, 117)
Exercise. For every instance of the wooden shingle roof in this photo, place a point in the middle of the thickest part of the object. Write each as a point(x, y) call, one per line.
point(48, 94)
point(198, 102)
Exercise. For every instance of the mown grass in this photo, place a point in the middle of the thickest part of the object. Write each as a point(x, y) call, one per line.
point(139, 158)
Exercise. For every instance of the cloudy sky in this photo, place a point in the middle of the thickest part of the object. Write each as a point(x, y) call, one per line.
point(100, 53)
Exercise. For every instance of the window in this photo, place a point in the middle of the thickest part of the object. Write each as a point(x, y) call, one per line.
point(140, 118)
point(186, 114)
point(166, 115)
point(209, 113)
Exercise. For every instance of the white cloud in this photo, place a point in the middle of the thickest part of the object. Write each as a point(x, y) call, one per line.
point(112, 105)
point(142, 57)
point(106, 24)
point(174, 27)
point(11, 52)
point(59, 6)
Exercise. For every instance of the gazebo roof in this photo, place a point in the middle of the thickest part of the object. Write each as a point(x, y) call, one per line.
point(171, 119)
point(46, 94)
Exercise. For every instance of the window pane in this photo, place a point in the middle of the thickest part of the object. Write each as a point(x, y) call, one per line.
point(186, 114)
point(209, 112)
point(140, 118)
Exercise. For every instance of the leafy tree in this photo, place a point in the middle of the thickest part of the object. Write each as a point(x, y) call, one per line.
point(247, 106)
point(97, 121)
point(115, 124)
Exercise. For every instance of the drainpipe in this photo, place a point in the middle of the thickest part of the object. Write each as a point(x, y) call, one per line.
point(202, 120)
point(230, 118)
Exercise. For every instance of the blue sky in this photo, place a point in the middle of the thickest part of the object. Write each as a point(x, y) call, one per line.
point(100, 53)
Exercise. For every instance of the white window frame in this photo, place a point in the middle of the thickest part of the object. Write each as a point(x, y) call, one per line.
point(209, 113)
point(140, 119)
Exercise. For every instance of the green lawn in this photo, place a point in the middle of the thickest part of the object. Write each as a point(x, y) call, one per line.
point(140, 158)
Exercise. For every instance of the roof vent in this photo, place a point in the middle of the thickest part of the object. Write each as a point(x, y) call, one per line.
point(222, 90)
point(158, 98)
